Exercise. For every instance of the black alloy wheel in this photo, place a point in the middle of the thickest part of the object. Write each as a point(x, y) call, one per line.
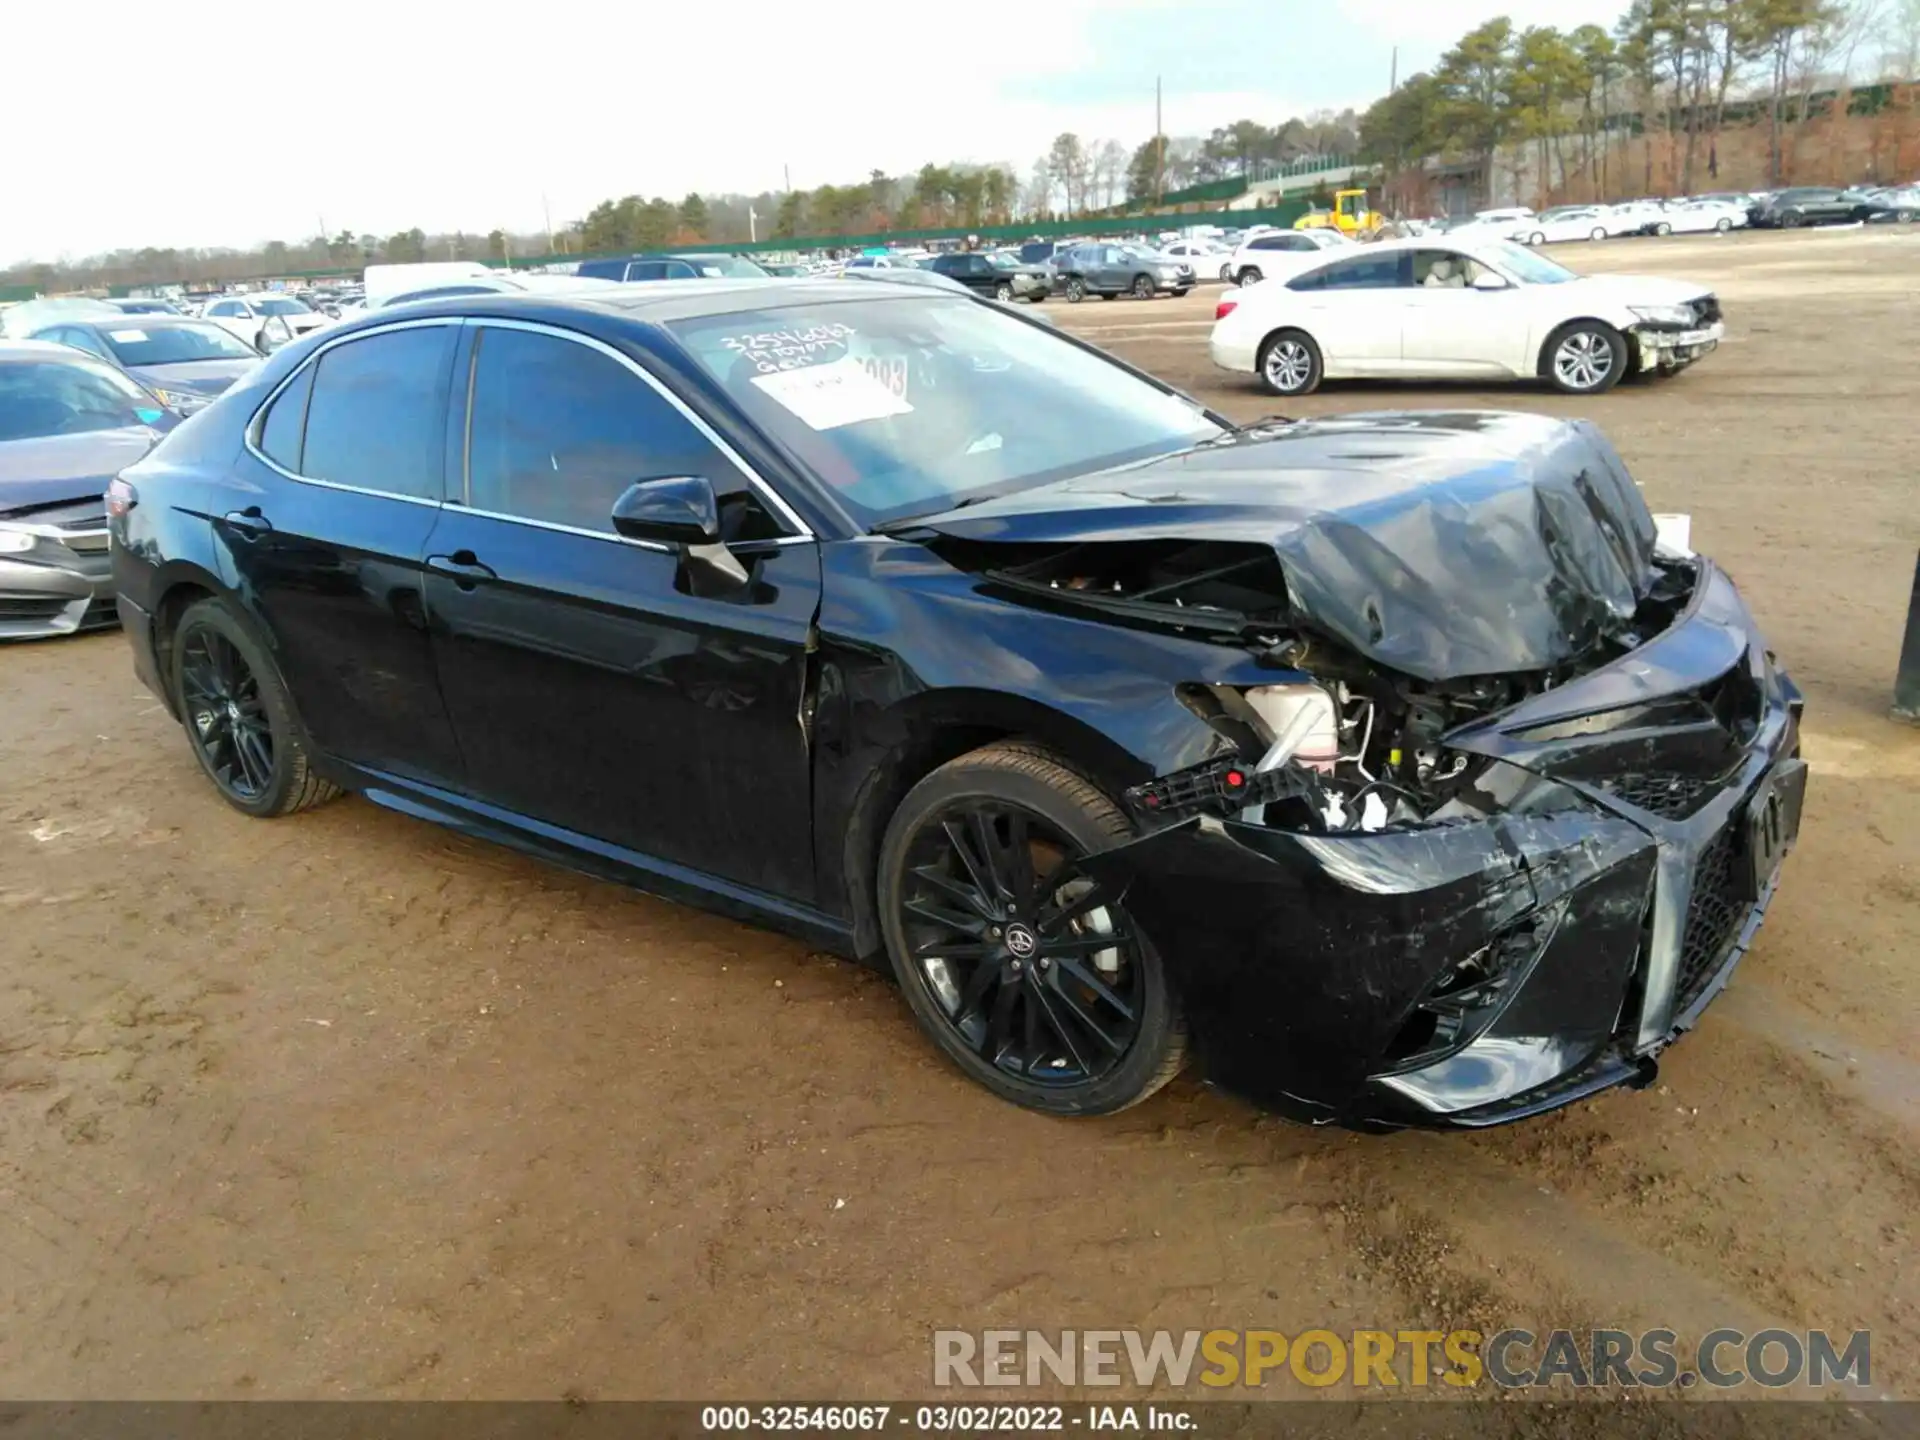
point(239, 717)
point(226, 720)
point(1143, 287)
point(1029, 973)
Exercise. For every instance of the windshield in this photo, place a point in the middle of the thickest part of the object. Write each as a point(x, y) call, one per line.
point(1003, 262)
point(908, 406)
point(729, 267)
point(175, 344)
point(282, 305)
point(57, 397)
point(1529, 267)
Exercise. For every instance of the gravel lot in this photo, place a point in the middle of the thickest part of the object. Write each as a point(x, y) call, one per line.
point(347, 1106)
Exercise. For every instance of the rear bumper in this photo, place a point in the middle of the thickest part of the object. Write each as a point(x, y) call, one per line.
point(40, 601)
point(1615, 901)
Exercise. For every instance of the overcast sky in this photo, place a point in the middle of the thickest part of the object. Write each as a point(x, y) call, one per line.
point(258, 121)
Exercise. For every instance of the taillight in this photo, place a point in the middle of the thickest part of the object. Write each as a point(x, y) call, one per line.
point(120, 497)
point(1225, 307)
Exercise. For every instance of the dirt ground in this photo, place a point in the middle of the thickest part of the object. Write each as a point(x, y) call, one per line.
point(347, 1106)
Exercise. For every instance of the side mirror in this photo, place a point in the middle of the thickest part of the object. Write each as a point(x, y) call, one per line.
point(1487, 280)
point(670, 509)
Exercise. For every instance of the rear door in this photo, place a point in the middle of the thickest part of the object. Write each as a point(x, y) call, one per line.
point(342, 475)
point(595, 684)
point(1355, 307)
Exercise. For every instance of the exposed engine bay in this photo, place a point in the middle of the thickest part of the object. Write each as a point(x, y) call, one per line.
point(1344, 743)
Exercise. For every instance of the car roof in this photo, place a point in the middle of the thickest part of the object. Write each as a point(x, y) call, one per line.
point(23, 350)
point(123, 321)
point(662, 304)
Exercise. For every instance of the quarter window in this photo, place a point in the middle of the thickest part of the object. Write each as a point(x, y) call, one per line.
point(559, 430)
point(376, 418)
point(286, 420)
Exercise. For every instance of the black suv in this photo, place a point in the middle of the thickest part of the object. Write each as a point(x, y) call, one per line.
point(1000, 276)
point(672, 267)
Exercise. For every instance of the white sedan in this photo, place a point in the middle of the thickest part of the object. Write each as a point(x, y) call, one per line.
point(1698, 216)
point(251, 317)
point(1478, 308)
point(1568, 222)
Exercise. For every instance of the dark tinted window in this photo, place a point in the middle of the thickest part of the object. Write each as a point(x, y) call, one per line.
point(679, 270)
point(559, 430)
point(647, 270)
point(69, 397)
point(286, 419)
point(1363, 272)
point(603, 269)
point(376, 418)
point(1282, 242)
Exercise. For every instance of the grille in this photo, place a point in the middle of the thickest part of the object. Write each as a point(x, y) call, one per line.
point(1715, 914)
point(31, 607)
point(1669, 795)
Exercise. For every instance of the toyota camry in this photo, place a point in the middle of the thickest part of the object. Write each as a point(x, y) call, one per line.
point(1389, 767)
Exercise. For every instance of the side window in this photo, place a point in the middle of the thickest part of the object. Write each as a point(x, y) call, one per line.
point(377, 417)
point(224, 309)
point(1445, 269)
point(647, 270)
point(286, 420)
point(1364, 272)
point(680, 270)
point(558, 430)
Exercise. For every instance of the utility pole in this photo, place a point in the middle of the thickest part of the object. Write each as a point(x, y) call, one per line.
point(786, 174)
point(1159, 151)
point(546, 214)
point(752, 233)
point(1393, 71)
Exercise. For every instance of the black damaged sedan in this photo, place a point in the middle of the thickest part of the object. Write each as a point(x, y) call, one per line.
point(1386, 764)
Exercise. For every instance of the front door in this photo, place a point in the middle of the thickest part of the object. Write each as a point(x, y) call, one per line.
point(595, 683)
point(1447, 327)
point(1356, 308)
point(324, 542)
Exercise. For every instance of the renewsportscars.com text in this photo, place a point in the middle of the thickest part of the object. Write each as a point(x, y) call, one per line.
point(1399, 1359)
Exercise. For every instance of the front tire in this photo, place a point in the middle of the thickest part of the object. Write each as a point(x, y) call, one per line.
point(1597, 234)
point(1663, 228)
point(239, 716)
point(1003, 293)
point(1585, 357)
point(1536, 238)
point(1249, 276)
point(1031, 977)
point(1289, 363)
point(1723, 224)
point(1076, 290)
point(1143, 287)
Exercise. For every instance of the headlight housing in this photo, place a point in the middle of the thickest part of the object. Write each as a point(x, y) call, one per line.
point(15, 541)
point(1676, 315)
point(183, 401)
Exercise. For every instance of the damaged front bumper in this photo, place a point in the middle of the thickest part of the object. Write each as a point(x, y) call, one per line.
point(1656, 348)
point(1473, 973)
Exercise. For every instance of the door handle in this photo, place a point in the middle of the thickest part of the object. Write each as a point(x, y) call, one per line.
point(462, 566)
point(249, 523)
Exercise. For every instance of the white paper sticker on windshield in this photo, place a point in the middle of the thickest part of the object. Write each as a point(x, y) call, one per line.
point(126, 337)
point(829, 396)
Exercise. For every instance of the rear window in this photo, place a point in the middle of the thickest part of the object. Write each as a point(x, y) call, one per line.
point(40, 398)
point(603, 269)
point(133, 344)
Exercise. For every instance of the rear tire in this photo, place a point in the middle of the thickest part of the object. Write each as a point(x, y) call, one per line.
point(239, 717)
point(1143, 287)
point(1723, 224)
point(1536, 238)
point(1076, 290)
point(978, 936)
point(1289, 363)
point(1003, 293)
point(1250, 275)
point(1663, 228)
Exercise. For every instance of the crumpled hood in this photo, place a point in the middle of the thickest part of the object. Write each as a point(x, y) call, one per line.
point(1440, 545)
point(1643, 289)
point(56, 468)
